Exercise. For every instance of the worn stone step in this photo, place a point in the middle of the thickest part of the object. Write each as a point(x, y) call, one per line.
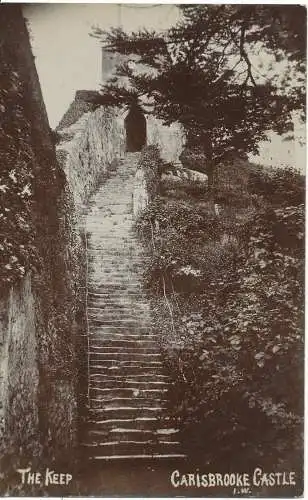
point(131, 314)
point(136, 366)
point(115, 301)
point(117, 448)
point(123, 361)
point(118, 321)
point(103, 289)
point(113, 312)
point(128, 268)
point(123, 412)
point(142, 377)
point(115, 263)
point(108, 336)
point(99, 386)
point(123, 434)
point(117, 276)
point(123, 356)
point(107, 424)
point(139, 381)
point(127, 369)
point(144, 458)
point(133, 401)
point(123, 343)
point(124, 304)
point(128, 328)
point(100, 326)
point(128, 388)
point(97, 332)
point(109, 392)
point(124, 296)
point(99, 350)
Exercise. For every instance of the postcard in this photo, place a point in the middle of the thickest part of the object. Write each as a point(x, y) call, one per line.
point(152, 207)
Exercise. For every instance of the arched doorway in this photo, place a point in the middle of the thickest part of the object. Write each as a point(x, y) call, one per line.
point(136, 129)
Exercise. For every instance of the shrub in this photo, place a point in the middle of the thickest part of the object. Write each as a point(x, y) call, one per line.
point(284, 186)
point(240, 346)
point(235, 344)
point(151, 162)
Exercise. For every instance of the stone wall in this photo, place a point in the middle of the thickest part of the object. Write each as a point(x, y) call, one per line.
point(140, 194)
point(19, 371)
point(88, 148)
point(41, 310)
point(169, 139)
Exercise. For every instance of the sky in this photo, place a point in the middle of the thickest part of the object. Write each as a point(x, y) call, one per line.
point(68, 59)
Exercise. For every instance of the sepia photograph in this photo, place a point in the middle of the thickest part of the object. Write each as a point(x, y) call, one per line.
point(152, 249)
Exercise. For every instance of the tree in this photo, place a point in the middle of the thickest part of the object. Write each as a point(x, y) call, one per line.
point(204, 73)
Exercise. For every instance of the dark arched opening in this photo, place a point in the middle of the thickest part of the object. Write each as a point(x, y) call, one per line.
point(136, 129)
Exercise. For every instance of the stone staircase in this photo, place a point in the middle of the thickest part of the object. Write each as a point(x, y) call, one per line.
point(127, 385)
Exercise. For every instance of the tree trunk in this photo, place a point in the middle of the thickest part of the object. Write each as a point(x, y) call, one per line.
point(210, 174)
point(208, 151)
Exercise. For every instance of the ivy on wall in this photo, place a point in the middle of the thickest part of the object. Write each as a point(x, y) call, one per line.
point(17, 249)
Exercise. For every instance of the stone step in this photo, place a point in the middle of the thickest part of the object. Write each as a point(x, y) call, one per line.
point(112, 283)
point(117, 293)
point(117, 324)
point(123, 412)
point(120, 264)
point(121, 279)
point(130, 328)
point(123, 434)
point(106, 424)
point(138, 380)
point(124, 296)
point(128, 351)
point(122, 342)
point(98, 385)
point(125, 343)
point(107, 336)
point(120, 242)
point(127, 309)
point(108, 246)
point(109, 392)
point(117, 320)
point(110, 313)
point(126, 274)
point(110, 345)
point(111, 252)
point(135, 402)
point(128, 448)
point(128, 389)
point(129, 369)
point(99, 331)
point(121, 361)
point(110, 260)
point(116, 301)
point(116, 278)
point(145, 458)
point(124, 356)
point(99, 377)
point(109, 340)
point(115, 272)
